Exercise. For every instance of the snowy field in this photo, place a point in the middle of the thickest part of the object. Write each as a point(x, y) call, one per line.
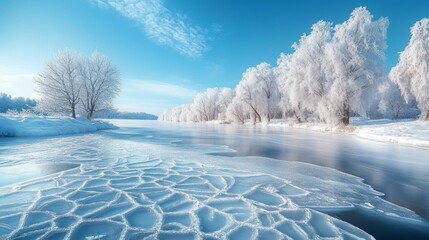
point(126, 176)
point(42, 126)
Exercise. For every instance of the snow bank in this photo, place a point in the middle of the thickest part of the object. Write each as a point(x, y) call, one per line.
point(315, 126)
point(407, 132)
point(40, 126)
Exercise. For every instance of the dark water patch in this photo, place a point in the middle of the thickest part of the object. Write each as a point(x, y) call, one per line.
point(382, 226)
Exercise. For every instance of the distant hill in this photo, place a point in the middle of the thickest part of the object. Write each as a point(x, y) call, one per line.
point(114, 114)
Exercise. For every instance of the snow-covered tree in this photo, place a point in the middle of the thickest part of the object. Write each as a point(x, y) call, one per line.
point(237, 111)
point(225, 96)
point(393, 105)
point(101, 83)
point(300, 75)
point(412, 71)
point(205, 104)
point(354, 65)
point(270, 91)
point(258, 90)
point(282, 77)
point(59, 84)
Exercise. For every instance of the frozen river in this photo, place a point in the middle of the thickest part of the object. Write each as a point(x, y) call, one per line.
point(184, 181)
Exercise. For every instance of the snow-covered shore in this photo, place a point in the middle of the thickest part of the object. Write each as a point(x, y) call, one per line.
point(409, 132)
point(11, 126)
point(406, 132)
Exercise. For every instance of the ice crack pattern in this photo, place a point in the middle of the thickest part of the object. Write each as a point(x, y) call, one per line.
point(162, 199)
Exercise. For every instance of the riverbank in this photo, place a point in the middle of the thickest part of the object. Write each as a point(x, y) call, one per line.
point(12, 126)
point(408, 132)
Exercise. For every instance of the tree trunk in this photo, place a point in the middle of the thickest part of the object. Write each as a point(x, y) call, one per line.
point(298, 118)
point(427, 116)
point(73, 112)
point(90, 113)
point(346, 114)
point(259, 117)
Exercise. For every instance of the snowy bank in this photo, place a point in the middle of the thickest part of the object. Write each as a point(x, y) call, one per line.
point(407, 132)
point(41, 126)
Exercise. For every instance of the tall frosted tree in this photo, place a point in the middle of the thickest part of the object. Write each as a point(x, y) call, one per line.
point(301, 75)
point(100, 83)
point(354, 66)
point(411, 73)
point(60, 83)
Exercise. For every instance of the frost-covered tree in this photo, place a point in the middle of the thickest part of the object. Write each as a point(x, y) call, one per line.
point(205, 104)
point(412, 71)
point(282, 78)
point(237, 111)
point(18, 104)
point(393, 105)
point(258, 90)
point(270, 92)
point(225, 96)
point(209, 105)
point(101, 83)
point(300, 75)
point(59, 84)
point(354, 66)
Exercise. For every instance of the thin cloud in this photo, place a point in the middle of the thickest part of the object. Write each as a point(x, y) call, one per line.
point(162, 25)
point(162, 88)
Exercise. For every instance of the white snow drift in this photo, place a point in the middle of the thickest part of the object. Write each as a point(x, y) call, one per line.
point(39, 126)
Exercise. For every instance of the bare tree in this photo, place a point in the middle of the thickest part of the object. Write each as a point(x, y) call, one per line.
point(101, 83)
point(59, 83)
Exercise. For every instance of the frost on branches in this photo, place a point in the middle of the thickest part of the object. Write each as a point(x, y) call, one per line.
point(332, 74)
point(71, 83)
point(412, 71)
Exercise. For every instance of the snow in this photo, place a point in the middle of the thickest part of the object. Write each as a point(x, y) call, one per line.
point(11, 126)
point(406, 132)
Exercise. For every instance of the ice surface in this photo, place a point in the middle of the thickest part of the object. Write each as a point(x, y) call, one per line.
point(133, 190)
point(170, 211)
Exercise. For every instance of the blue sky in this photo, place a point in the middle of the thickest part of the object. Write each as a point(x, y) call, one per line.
point(169, 50)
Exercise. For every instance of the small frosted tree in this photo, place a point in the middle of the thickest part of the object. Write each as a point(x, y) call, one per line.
point(60, 84)
point(101, 83)
point(270, 92)
point(412, 71)
point(205, 104)
point(354, 65)
point(225, 96)
point(258, 90)
point(237, 111)
point(393, 105)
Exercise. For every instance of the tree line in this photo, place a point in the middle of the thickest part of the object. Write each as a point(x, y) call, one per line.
point(18, 104)
point(72, 83)
point(334, 72)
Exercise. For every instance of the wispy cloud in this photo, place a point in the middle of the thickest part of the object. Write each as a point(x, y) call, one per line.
point(161, 88)
point(162, 25)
